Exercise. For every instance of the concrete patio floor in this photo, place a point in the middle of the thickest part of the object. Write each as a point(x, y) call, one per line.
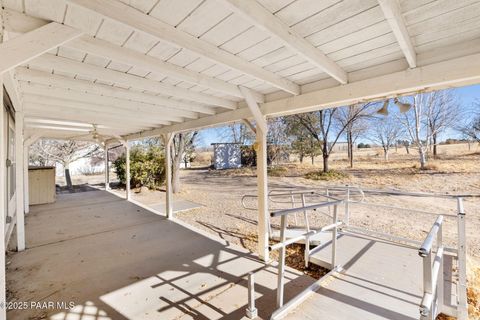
point(116, 260)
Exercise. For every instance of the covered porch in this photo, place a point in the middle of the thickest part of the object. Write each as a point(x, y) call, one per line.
point(155, 68)
point(116, 260)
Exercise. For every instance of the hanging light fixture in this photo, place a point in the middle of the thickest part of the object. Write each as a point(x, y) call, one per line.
point(403, 107)
point(384, 109)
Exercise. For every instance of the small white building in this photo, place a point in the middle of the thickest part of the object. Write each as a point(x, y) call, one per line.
point(226, 155)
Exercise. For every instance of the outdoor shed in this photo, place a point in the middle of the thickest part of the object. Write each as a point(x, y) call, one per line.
point(226, 155)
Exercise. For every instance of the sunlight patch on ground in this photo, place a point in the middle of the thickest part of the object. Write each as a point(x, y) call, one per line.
point(88, 311)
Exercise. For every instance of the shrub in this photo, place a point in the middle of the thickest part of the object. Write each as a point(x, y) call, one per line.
point(147, 167)
point(362, 145)
point(249, 156)
point(327, 176)
point(277, 171)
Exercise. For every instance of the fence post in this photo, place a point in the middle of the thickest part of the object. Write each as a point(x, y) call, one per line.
point(462, 263)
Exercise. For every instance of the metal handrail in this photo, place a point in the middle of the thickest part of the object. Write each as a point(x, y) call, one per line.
point(426, 247)
point(311, 207)
point(283, 243)
point(432, 300)
point(243, 201)
point(347, 189)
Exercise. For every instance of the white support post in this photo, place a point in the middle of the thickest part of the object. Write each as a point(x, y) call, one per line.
point(26, 192)
point(3, 193)
point(107, 182)
point(262, 178)
point(168, 139)
point(19, 190)
point(262, 181)
point(127, 170)
point(26, 145)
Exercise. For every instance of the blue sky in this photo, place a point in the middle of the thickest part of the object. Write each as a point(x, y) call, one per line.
point(466, 96)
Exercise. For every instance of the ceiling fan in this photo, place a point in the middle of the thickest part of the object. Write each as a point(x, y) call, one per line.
point(91, 135)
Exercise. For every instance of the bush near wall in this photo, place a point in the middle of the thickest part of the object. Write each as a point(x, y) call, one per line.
point(147, 167)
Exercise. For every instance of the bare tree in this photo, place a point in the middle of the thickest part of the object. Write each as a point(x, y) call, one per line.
point(63, 152)
point(276, 139)
point(354, 119)
point(470, 127)
point(325, 128)
point(386, 132)
point(183, 144)
point(429, 116)
point(442, 114)
point(238, 133)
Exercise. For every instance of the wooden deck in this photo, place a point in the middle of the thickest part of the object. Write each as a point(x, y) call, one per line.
point(381, 280)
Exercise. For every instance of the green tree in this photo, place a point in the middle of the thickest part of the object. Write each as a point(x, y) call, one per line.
point(147, 167)
point(302, 142)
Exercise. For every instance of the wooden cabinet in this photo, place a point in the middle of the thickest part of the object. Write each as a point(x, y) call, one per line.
point(41, 185)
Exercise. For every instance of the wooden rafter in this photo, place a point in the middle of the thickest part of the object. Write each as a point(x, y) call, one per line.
point(393, 14)
point(126, 15)
point(185, 109)
point(263, 19)
point(108, 75)
point(22, 49)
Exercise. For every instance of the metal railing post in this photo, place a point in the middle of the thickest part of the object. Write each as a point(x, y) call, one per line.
point(334, 237)
point(307, 239)
point(347, 207)
point(252, 312)
point(427, 282)
point(327, 193)
point(462, 263)
point(281, 262)
point(292, 199)
point(440, 282)
point(432, 272)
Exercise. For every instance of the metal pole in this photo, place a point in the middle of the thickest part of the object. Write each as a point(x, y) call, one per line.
point(334, 237)
point(252, 312)
point(307, 239)
point(281, 262)
point(347, 207)
point(440, 283)
point(292, 199)
point(427, 282)
point(462, 263)
point(327, 193)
